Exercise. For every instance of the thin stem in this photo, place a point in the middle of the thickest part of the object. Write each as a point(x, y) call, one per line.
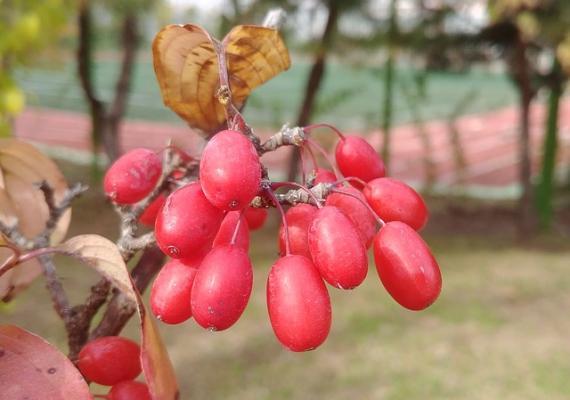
point(313, 158)
point(379, 220)
point(325, 155)
point(351, 179)
point(277, 185)
point(303, 166)
point(309, 128)
point(283, 220)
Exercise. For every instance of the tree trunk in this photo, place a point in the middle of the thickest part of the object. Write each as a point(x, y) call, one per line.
point(106, 118)
point(313, 83)
point(389, 72)
point(522, 76)
point(546, 184)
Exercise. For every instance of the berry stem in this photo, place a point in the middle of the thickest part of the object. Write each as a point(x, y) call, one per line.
point(313, 158)
point(303, 166)
point(277, 185)
point(317, 146)
point(309, 128)
point(351, 179)
point(283, 220)
point(379, 220)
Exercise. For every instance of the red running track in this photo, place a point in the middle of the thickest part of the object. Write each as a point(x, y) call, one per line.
point(489, 143)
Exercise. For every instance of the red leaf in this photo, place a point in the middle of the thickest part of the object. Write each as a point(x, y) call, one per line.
point(31, 368)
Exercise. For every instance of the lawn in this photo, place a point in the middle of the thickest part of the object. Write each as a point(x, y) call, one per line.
point(350, 98)
point(498, 331)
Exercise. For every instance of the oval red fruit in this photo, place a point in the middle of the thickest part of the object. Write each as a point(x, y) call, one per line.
point(393, 200)
point(227, 229)
point(298, 303)
point(336, 249)
point(324, 176)
point(255, 217)
point(356, 211)
point(170, 292)
point(187, 223)
point(406, 266)
point(230, 171)
point(148, 217)
point(110, 360)
point(222, 287)
point(129, 390)
point(133, 176)
point(355, 157)
point(298, 218)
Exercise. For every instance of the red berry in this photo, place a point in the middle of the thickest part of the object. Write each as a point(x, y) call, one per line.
point(187, 223)
point(298, 219)
point(356, 211)
point(129, 390)
point(227, 229)
point(170, 292)
point(230, 171)
point(298, 303)
point(148, 217)
point(222, 287)
point(110, 360)
point(255, 217)
point(133, 176)
point(393, 200)
point(337, 249)
point(406, 267)
point(355, 157)
point(324, 176)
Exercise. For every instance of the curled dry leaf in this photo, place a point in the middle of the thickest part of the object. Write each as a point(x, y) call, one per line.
point(31, 368)
point(22, 167)
point(103, 255)
point(186, 67)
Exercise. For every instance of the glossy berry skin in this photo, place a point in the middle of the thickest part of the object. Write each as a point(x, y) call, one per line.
point(133, 176)
point(324, 176)
point(222, 287)
point(110, 360)
point(406, 266)
point(148, 217)
point(336, 249)
point(298, 303)
point(129, 390)
point(230, 171)
point(298, 218)
point(356, 211)
point(227, 229)
point(355, 157)
point(187, 223)
point(170, 292)
point(255, 217)
point(393, 200)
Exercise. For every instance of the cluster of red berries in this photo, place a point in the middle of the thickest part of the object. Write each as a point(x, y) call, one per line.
point(204, 227)
point(114, 361)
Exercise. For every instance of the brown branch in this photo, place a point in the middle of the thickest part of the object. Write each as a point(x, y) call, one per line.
point(121, 308)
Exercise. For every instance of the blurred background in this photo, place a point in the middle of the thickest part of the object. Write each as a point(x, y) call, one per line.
point(464, 100)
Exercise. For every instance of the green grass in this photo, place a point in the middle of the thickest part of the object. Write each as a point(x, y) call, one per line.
point(350, 97)
point(498, 331)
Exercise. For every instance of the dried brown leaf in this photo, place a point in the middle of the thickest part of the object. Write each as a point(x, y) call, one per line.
point(103, 255)
point(22, 167)
point(186, 67)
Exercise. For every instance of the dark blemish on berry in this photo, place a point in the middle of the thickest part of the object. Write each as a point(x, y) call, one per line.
point(2, 352)
point(51, 371)
point(233, 204)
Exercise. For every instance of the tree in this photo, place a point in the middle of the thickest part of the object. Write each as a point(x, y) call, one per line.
point(26, 28)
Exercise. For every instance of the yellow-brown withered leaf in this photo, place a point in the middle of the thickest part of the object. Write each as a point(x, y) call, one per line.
point(187, 69)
